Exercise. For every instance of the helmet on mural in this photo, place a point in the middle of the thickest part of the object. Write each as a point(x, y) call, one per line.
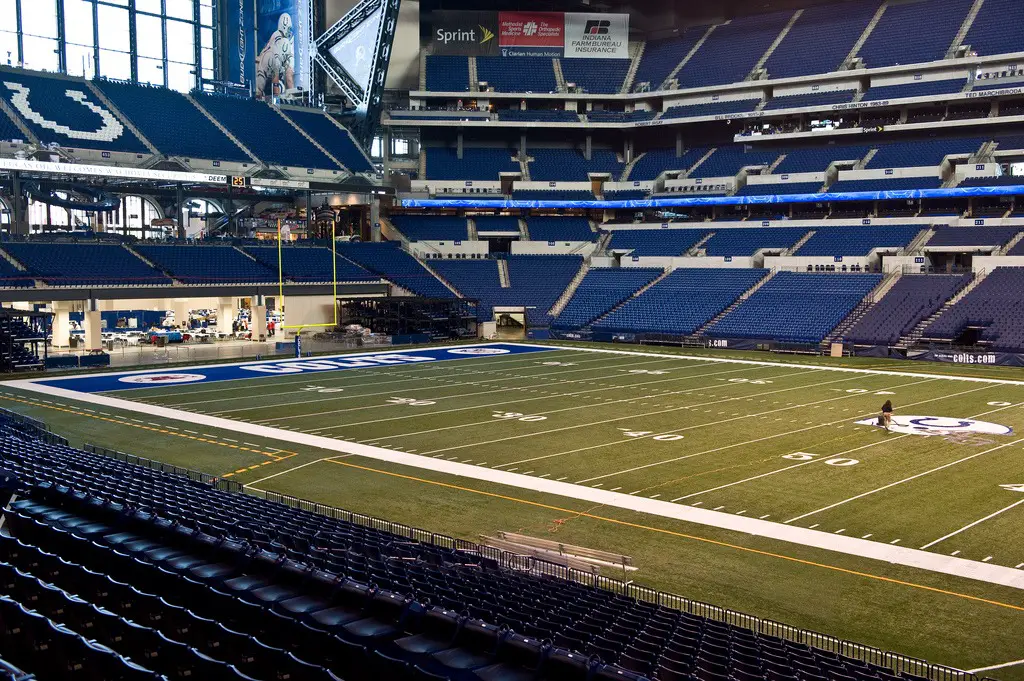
point(284, 25)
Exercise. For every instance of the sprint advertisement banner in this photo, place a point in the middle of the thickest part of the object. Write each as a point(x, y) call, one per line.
point(531, 34)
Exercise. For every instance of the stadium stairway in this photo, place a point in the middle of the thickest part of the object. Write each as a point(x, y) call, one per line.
point(524, 230)
point(700, 244)
point(447, 284)
point(309, 138)
point(870, 300)
point(758, 69)
point(855, 50)
point(689, 55)
point(920, 240)
point(570, 290)
point(1010, 244)
point(556, 64)
point(637, 50)
point(743, 296)
point(917, 333)
point(224, 131)
point(99, 94)
point(30, 136)
point(637, 293)
point(964, 28)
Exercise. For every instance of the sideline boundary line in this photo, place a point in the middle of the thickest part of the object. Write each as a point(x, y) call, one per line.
point(683, 535)
point(863, 548)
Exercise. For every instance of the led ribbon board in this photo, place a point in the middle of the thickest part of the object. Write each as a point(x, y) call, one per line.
point(903, 195)
point(355, 53)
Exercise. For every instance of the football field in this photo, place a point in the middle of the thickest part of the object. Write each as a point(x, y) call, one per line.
point(758, 485)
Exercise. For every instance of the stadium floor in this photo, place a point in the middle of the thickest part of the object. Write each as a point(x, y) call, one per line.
point(728, 477)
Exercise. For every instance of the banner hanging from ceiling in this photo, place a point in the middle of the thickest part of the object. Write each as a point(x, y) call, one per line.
point(283, 35)
point(530, 34)
point(601, 36)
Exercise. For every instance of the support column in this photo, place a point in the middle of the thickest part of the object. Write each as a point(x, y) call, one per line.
point(522, 145)
point(588, 149)
point(374, 218)
point(309, 212)
point(259, 318)
point(225, 315)
point(182, 210)
point(679, 144)
point(93, 327)
point(61, 326)
point(458, 148)
point(19, 224)
point(181, 309)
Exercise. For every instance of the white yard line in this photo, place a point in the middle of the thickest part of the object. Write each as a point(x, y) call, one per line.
point(925, 560)
point(526, 399)
point(900, 482)
point(724, 360)
point(450, 384)
point(489, 391)
point(1014, 663)
point(787, 468)
point(294, 468)
point(974, 524)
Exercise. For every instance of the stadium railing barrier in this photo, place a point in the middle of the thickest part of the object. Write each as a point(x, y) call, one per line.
point(538, 566)
point(31, 427)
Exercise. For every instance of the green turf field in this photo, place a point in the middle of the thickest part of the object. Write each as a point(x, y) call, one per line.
point(776, 443)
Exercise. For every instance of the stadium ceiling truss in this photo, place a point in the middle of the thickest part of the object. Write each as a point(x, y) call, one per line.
point(366, 96)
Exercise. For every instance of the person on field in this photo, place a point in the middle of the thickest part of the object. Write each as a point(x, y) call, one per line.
point(886, 419)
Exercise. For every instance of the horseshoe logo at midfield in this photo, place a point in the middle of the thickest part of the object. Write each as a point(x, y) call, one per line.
point(111, 130)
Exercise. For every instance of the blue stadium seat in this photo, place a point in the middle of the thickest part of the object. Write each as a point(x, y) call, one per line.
point(309, 264)
point(927, 88)
point(682, 302)
point(656, 161)
point(332, 137)
point(923, 152)
point(995, 305)
point(520, 74)
point(636, 116)
point(552, 195)
point(656, 241)
point(820, 39)
point(431, 227)
point(539, 115)
point(911, 300)
point(711, 108)
point(84, 264)
point(887, 184)
point(207, 264)
point(601, 290)
point(857, 241)
point(781, 188)
point(264, 132)
point(496, 223)
point(597, 76)
point(569, 165)
point(914, 32)
point(741, 241)
point(567, 228)
point(392, 263)
point(660, 57)
point(818, 159)
point(475, 164)
point(994, 30)
point(731, 51)
point(172, 123)
point(809, 99)
point(973, 236)
point(447, 73)
point(728, 160)
point(796, 307)
point(64, 111)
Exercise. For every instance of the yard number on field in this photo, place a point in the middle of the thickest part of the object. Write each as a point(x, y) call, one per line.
point(517, 416)
point(837, 461)
point(652, 372)
point(557, 364)
point(665, 437)
point(751, 381)
point(410, 401)
point(1013, 488)
point(321, 389)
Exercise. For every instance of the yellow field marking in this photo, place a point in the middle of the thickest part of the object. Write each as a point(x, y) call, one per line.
point(274, 457)
point(683, 535)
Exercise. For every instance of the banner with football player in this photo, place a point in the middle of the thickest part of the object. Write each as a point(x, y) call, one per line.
point(282, 41)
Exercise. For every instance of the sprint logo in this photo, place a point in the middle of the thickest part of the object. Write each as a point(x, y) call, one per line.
point(485, 34)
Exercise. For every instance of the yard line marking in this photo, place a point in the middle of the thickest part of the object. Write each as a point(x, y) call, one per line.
point(414, 371)
point(792, 365)
point(900, 482)
point(986, 559)
point(714, 542)
point(970, 525)
point(738, 444)
point(545, 475)
point(840, 531)
point(895, 541)
point(489, 391)
point(614, 489)
point(540, 413)
point(867, 536)
point(813, 526)
point(718, 508)
point(1014, 663)
point(766, 515)
point(955, 553)
point(653, 496)
point(787, 468)
point(1019, 565)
